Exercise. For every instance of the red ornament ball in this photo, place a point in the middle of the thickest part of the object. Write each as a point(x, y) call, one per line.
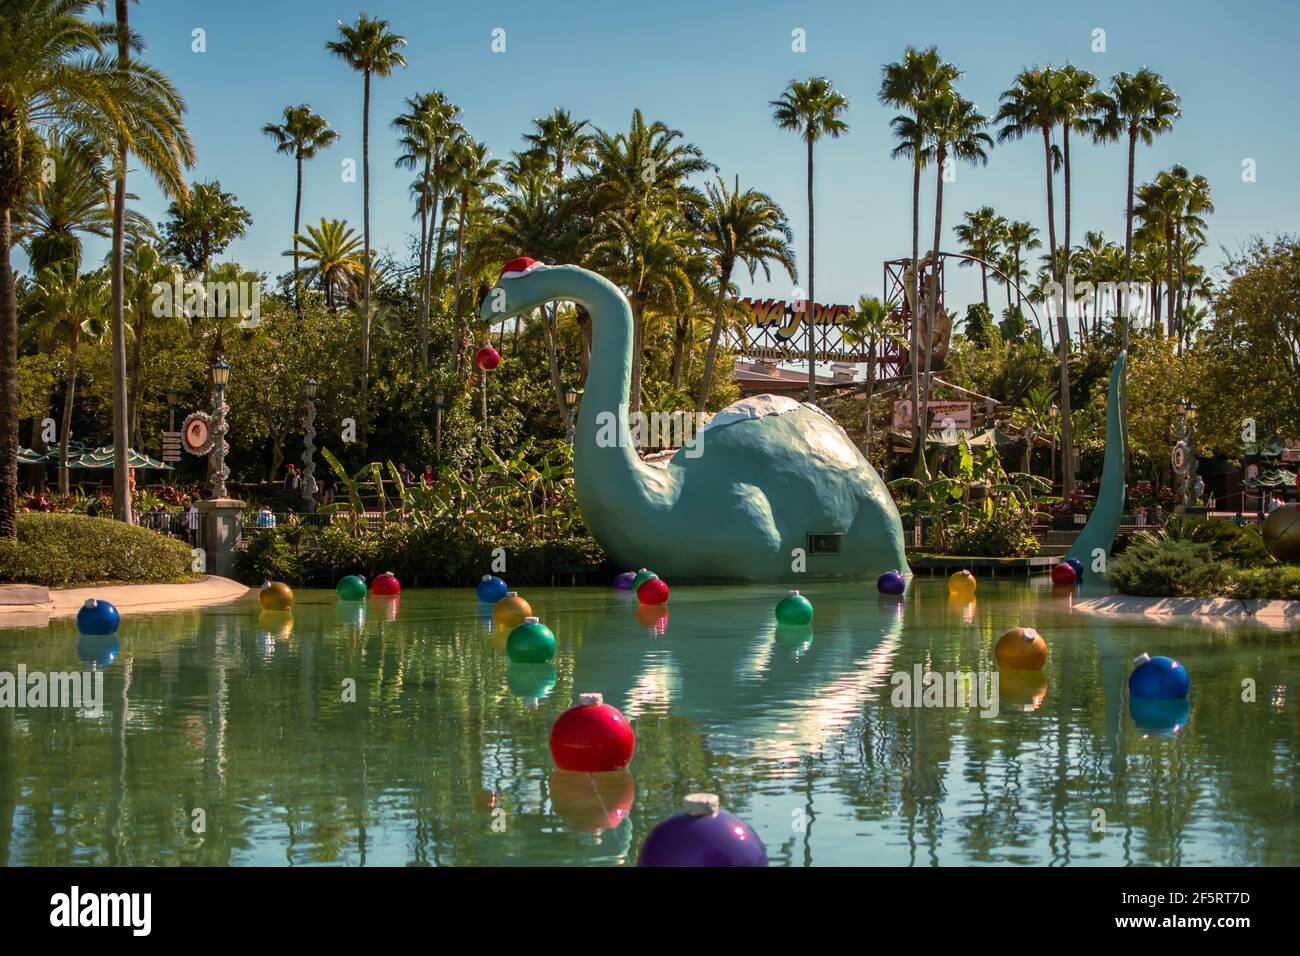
point(1063, 576)
point(487, 358)
point(653, 591)
point(385, 585)
point(592, 737)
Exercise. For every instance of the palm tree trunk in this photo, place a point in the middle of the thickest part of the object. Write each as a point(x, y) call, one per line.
point(1169, 277)
point(1065, 150)
point(69, 397)
point(638, 328)
point(914, 307)
point(922, 467)
point(460, 249)
point(365, 226)
point(423, 321)
point(1128, 239)
point(136, 379)
point(297, 218)
point(984, 282)
point(550, 324)
point(1051, 210)
point(121, 427)
point(8, 373)
point(711, 357)
point(809, 316)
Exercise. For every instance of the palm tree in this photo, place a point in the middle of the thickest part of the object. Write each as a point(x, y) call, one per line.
point(1040, 100)
point(202, 223)
point(1189, 230)
point(562, 140)
point(331, 254)
point(145, 271)
point(153, 130)
point(73, 199)
point(68, 306)
point(475, 175)
point(427, 127)
point(910, 85)
point(372, 50)
point(1032, 106)
point(302, 135)
point(873, 325)
point(746, 227)
point(982, 235)
point(1158, 205)
point(954, 127)
point(813, 108)
point(1137, 107)
point(53, 73)
point(649, 255)
point(1020, 237)
point(643, 169)
point(1078, 103)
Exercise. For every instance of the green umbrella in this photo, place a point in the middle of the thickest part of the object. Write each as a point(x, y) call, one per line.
point(104, 458)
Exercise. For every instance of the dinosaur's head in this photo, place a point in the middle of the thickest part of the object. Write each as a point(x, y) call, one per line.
point(516, 291)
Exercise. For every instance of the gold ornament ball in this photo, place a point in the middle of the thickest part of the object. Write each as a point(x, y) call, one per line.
point(276, 596)
point(1282, 533)
point(511, 610)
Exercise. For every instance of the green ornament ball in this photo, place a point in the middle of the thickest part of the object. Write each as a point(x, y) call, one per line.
point(531, 643)
point(794, 608)
point(641, 578)
point(351, 588)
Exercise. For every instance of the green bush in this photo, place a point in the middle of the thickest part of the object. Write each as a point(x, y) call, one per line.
point(1281, 582)
point(419, 556)
point(1243, 546)
point(68, 550)
point(1006, 533)
point(1154, 566)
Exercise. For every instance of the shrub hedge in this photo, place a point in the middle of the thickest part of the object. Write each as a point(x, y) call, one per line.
point(418, 556)
point(69, 550)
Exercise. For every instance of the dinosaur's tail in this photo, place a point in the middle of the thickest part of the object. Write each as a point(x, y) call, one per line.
point(1099, 532)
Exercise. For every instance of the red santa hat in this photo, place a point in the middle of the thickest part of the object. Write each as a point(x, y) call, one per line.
point(520, 267)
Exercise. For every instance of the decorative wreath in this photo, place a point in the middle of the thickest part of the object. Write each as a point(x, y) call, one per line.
point(198, 436)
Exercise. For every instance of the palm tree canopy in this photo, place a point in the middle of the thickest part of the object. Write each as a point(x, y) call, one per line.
point(813, 108)
point(1140, 105)
point(562, 139)
point(749, 227)
point(368, 46)
point(303, 133)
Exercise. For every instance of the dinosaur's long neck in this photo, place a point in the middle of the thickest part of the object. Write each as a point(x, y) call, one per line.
point(615, 489)
point(1103, 524)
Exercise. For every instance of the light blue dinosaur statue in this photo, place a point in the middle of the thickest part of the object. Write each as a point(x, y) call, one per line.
point(772, 489)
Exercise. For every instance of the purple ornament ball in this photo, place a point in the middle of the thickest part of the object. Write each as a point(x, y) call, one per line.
point(624, 581)
point(891, 582)
point(703, 835)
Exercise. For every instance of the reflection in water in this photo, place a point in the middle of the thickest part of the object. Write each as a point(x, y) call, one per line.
point(441, 755)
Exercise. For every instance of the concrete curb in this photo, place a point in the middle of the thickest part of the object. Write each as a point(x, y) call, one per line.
point(1217, 610)
point(31, 606)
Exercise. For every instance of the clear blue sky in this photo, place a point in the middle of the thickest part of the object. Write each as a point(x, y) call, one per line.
point(709, 69)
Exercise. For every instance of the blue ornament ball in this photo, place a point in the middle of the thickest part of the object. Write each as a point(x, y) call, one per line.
point(97, 617)
point(891, 582)
point(1158, 678)
point(1078, 568)
point(491, 589)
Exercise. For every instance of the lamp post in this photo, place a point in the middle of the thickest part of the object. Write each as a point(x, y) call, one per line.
point(438, 398)
point(1184, 459)
point(309, 450)
point(570, 404)
point(220, 376)
point(171, 409)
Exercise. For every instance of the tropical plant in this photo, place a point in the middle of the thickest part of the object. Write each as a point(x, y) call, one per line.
point(746, 227)
point(982, 236)
point(202, 224)
point(331, 256)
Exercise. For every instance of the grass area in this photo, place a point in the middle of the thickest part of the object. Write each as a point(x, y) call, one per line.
point(69, 550)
